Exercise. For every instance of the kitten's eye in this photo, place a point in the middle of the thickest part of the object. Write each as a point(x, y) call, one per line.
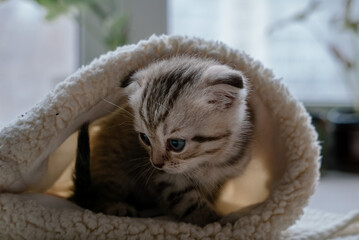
point(145, 139)
point(176, 145)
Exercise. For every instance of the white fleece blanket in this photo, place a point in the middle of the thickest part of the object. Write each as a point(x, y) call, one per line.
point(281, 177)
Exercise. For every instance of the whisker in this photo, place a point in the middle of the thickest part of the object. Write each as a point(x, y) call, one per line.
point(149, 177)
point(141, 162)
point(142, 174)
point(119, 107)
point(111, 103)
point(143, 166)
point(136, 159)
point(139, 175)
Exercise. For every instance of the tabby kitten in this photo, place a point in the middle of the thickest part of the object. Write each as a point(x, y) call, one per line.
point(185, 131)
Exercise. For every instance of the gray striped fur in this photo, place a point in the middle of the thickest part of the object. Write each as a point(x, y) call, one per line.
point(199, 101)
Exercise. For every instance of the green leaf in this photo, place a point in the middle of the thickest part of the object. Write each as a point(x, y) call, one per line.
point(55, 8)
point(117, 32)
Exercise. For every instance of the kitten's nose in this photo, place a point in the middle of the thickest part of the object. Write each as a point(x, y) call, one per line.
point(159, 165)
point(158, 159)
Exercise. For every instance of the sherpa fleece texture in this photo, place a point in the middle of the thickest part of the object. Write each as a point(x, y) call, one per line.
point(26, 143)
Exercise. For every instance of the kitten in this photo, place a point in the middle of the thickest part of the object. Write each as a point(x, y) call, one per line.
point(185, 131)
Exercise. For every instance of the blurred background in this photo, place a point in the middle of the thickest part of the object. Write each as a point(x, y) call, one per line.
point(312, 45)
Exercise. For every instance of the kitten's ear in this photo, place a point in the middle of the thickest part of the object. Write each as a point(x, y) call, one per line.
point(128, 80)
point(226, 86)
point(221, 74)
point(131, 83)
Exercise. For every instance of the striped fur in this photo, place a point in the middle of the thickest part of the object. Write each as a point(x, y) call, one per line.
point(198, 101)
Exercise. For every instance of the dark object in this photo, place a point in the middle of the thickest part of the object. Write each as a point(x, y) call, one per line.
point(345, 132)
point(82, 176)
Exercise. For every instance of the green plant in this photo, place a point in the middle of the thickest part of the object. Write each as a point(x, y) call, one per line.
point(112, 23)
point(343, 22)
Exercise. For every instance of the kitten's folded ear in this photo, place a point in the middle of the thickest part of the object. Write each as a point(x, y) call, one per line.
point(221, 74)
point(131, 83)
point(225, 86)
point(128, 80)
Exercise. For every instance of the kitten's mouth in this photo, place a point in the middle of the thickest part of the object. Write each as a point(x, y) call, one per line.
point(167, 169)
point(172, 170)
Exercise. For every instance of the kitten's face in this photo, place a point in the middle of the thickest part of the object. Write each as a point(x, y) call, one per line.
point(186, 112)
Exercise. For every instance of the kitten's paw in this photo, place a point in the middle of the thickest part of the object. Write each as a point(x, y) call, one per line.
point(229, 218)
point(121, 209)
point(202, 218)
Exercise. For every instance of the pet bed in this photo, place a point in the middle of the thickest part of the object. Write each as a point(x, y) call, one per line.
point(263, 203)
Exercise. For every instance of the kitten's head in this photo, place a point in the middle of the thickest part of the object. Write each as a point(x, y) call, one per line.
point(188, 112)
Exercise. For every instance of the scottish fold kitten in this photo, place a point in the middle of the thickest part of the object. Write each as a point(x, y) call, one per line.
point(185, 131)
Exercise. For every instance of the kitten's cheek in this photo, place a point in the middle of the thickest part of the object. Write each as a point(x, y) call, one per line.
point(172, 167)
point(172, 170)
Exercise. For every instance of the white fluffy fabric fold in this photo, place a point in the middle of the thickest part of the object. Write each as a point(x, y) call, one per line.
point(286, 149)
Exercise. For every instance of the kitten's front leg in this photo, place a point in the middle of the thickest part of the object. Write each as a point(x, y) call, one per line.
point(190, 206)
point(200, 213)
point(120, 209)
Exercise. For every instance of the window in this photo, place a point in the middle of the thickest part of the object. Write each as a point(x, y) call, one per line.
point(35, 54)
point(296, 52)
